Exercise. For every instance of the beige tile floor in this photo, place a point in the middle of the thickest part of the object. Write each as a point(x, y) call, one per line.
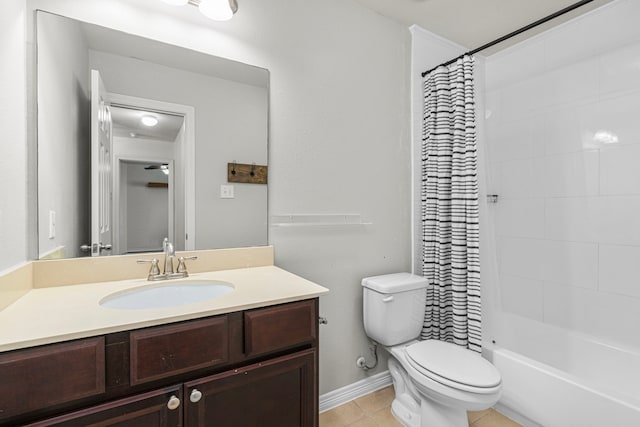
point(374, 410)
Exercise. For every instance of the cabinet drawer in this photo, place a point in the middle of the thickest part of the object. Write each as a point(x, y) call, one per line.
point(46, 376)
point(280, 327)
point(170, 350)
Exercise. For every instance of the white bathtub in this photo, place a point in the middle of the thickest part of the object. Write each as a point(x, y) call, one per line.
point(557, 378)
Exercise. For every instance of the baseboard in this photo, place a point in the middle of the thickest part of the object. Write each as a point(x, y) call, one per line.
point(353, 391)
point(515, 416)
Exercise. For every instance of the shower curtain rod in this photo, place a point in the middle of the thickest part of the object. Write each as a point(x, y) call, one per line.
point(513, 34)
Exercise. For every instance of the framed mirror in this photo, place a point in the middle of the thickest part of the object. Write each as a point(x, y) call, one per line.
point(134, 142)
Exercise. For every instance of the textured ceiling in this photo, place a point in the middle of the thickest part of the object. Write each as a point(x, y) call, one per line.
point(472, 23)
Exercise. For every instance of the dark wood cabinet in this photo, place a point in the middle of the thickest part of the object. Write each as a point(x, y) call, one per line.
point(277, 328)
point(165, 351)
point(276, 393)
point(51, 375)
point(253, 368)
point(161, 408)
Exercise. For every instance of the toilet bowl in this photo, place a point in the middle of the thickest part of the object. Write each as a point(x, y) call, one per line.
point(435, 382)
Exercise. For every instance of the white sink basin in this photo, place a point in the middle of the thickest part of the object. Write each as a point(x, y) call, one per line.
point(169, 294)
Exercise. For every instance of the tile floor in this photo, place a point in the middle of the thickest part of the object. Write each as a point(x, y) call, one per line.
point(374, 410)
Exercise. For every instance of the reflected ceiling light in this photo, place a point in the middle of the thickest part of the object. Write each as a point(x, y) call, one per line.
point(149, 121)
point(606, 137)
point(164, 167)
point(218, 10)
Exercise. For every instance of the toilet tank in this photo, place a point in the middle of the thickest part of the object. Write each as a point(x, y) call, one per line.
point(393, 307)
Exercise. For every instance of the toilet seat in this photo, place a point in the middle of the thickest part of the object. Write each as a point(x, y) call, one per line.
point(453, 366)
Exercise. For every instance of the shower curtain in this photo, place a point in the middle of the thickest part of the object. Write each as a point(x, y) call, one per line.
point(449, 207)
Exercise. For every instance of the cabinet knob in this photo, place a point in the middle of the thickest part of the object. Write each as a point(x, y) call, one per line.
point(173, 403)
point(195, 395)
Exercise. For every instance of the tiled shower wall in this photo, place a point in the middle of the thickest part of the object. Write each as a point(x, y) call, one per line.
point(563, 138)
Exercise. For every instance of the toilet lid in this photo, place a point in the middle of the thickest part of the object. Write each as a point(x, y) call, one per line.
point(453, 363)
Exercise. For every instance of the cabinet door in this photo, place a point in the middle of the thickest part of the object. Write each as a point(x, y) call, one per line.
point(160, 408)
point(281, 392)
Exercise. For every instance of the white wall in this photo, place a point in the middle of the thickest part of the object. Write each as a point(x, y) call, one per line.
point(339, 136)
point(64, 149)
point(568, 227)
point(13, 176)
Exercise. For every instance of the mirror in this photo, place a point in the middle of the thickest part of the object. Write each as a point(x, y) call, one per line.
point(149, 181)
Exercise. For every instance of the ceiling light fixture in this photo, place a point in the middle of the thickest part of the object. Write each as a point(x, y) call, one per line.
point(149, 121)
point(218, 10)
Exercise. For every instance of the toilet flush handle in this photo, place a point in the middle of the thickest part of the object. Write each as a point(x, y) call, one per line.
point(387, 299)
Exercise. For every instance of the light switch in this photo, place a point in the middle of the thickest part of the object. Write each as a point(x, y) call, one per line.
point(226, 192)
point(52, 224)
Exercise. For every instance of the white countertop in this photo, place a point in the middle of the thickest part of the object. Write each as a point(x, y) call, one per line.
point(62, 313)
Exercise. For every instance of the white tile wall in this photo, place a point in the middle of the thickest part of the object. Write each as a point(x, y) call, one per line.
point(620, 69)
point(522, 296)
point(520, 218)
point(512, 140)
point(571, 263)
point(569, 128)
point(516, 64)
point(534, 90)
point(571, 83)
point(564, 156)
point(570, 175)
point(619, 169)
point(617, 219)
point(522, 257)
point(620, 269)
point(571, 219)
point(518, 178)
point(618, 115)
point(613, 317)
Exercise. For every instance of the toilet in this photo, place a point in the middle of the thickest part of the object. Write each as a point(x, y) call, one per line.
point(435, 382)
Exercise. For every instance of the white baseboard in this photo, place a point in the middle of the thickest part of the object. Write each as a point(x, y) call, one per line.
point(353, 391)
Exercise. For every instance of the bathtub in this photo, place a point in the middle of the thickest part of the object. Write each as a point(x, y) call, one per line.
point(556, 378)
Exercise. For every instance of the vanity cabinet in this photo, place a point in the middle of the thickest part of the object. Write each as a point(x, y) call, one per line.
point(257, 367)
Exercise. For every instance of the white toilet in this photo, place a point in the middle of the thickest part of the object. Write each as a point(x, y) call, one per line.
point(435, 382)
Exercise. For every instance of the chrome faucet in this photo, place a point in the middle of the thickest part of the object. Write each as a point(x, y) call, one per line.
point(168, 273)
point(169, 254)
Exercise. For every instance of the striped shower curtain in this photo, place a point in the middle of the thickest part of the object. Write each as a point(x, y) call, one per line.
point(449, 196)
